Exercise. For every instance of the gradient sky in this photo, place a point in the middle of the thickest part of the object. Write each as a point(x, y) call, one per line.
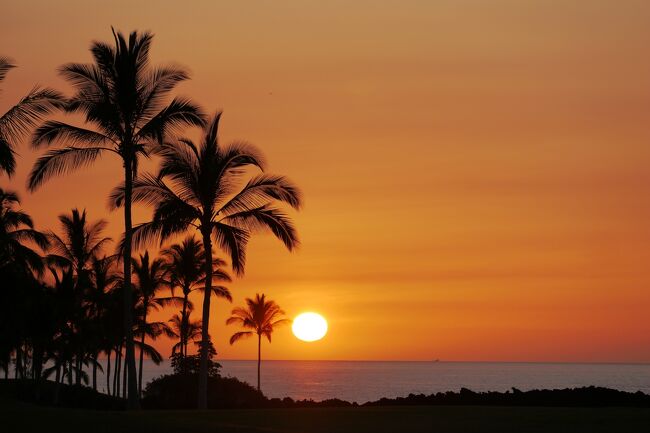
point(477, 174)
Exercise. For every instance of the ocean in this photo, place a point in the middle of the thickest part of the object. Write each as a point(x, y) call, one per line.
point(363, 381)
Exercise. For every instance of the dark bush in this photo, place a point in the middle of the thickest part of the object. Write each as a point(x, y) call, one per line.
point(179, 391)
point(48, 393)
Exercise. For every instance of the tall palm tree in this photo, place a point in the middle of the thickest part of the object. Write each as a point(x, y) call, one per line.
point(187, 272)
point(200, 187)
point(151, 278)
point(20, 118)
point(261, 317)
point(122, 98)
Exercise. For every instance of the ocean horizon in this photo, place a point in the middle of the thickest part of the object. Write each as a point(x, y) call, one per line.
point(362, 381)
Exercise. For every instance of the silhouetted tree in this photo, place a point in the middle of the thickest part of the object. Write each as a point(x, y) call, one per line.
point(16, 234)
point(103, 280)
point(200, 187)
point(192, 331)
point(185, 263)
point(20, 118)
point(122, 99)
point(76, 249)
point(151, 278)
point(20, 263)
point(260, 317)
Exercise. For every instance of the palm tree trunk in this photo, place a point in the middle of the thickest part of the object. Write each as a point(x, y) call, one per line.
point(128, 295)
point(118, 370)
point(259, 358)
point(144, 320)
point(184, 327)
point(57, 387)
point(205, 344)
point(18, 369)
point(95, 372)
point(125, 380)
point(79, 370)
point(108, 372)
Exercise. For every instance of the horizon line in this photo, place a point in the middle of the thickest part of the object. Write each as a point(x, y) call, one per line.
point(433, 361)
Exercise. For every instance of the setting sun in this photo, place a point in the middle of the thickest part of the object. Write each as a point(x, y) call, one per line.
point(309, 327)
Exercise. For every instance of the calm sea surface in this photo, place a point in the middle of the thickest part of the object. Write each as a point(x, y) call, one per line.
point(363, 381)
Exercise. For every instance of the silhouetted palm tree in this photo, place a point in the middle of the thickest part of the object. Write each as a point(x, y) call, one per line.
point(16, 229)
point(122, 99)
point(20, 263)
point(81, 243)
point(104, 278)
point(201, 187)
point(261, 316)
point(192, 330)
point(76, 249)
point(151, 278)
point(20, 118)
point(185, 263)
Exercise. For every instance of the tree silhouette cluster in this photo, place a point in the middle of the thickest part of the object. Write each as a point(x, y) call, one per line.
point(72, 301)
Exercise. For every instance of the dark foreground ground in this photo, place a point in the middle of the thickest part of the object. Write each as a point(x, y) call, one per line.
point(26, 418)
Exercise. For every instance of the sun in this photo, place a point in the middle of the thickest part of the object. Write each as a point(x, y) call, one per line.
point(309, 327)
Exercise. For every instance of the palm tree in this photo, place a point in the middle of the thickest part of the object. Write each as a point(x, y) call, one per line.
point(261, 316)
point(122, 99)
point(153, 330)
point(103, 278)
point(20, 118)
point(80, 245)
point(201, 187)
point(76, 250)
point(191, 329)
point(151, 278)
point(16, 229)
point(187, 271)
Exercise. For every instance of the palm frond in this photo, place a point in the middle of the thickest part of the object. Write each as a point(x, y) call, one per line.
point(7, 157)
point(259, 190)
point(6, 65)
point(239, 335)
point(233, 241)
point(180, 112)
point(52, 131)
point(28, 111)
point(266, 218)
point(59, 161)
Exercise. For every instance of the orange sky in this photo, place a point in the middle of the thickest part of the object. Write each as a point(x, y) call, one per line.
point(477, 174)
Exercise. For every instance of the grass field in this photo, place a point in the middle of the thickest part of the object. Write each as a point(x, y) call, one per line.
point(19, 417)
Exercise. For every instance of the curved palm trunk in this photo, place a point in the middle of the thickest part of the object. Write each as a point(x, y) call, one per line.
point(259, 358)
point(203, 367)
point(129, 357)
